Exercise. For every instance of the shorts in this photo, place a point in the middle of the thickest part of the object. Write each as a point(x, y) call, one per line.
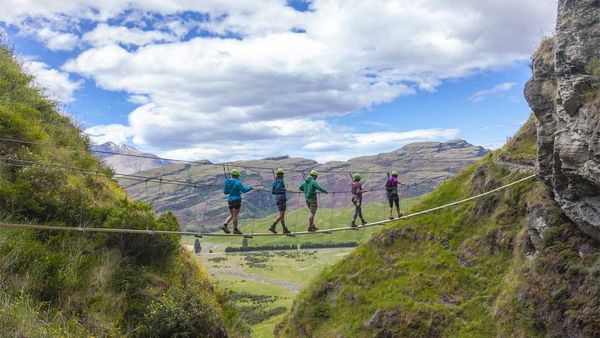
point(393, 199)
point(312, 205)
point(281, 205)
point(237, 204)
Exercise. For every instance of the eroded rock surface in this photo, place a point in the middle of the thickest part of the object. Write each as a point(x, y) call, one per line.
point(563, 94)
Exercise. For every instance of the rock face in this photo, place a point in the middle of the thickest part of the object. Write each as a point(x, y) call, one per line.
point(564, 95)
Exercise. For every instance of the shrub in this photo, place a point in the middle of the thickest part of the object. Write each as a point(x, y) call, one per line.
point(145, 249)
point(182, 313)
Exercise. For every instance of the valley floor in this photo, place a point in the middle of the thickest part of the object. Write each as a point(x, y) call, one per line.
point(264, 284)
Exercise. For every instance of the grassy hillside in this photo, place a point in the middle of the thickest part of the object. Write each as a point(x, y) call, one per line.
point(468, 271)
point(74, 284)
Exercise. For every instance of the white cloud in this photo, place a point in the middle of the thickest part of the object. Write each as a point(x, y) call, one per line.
point(139, 99)
point(116, 133)
point(104, 34)
point(57, 41)
point(252, 78)
point(491, 92)
point(372, 142)
point(56, 84)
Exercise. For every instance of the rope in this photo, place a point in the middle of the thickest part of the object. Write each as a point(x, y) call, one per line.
point(191, 233)
point(332, 198)
point(82, 171)
point(157, 194)
point(159, 158)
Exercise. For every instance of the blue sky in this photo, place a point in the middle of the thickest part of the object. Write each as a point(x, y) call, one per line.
point(227, 80)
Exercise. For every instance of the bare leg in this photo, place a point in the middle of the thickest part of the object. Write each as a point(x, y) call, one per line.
point(311, 219)
point(281, 218)
point(235, 213)
point(398, 208)
point(277, 219)
point(229, 218)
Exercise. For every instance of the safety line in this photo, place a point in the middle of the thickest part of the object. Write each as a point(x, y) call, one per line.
point(232, 164)
point(159, 179)
point(268, 234)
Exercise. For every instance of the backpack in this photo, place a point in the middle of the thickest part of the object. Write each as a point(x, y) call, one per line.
point(388, 186)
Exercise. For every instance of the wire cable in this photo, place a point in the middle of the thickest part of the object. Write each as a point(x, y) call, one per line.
point(217, 234)
point(153, 157)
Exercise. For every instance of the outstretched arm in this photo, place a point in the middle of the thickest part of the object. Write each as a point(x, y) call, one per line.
point(320, 188)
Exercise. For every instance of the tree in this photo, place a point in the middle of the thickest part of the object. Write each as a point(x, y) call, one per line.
point(197, 246)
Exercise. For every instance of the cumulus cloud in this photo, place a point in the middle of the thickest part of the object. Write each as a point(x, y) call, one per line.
point(491, 92)
point(56, 84)
point(262, 72)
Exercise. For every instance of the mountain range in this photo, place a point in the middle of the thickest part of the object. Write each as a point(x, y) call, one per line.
point(421, 167)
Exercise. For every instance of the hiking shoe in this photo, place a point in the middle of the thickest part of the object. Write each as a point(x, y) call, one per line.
point(391, 218)
point(237, 232)
point(272, 229)
point(312, 229)
point(363, 221)
point(286, 231)
point(224, 228)
point(353, 225)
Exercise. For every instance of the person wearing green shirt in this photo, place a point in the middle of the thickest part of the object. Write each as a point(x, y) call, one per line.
point(310, 188)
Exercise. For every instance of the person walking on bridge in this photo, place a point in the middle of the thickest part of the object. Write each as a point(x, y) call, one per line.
point(391, 187)
point(279, 191)
point(234, 188)
point(357, 192)
point(310, 187)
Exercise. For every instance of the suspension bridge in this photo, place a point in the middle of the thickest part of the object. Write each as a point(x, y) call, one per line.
point(6, 161)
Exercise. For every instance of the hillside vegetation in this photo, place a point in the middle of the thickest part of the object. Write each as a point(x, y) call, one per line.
point(79, 284)
point(468, 271)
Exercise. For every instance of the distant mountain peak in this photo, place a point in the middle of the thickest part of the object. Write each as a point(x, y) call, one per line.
point(458, 143)
point(127, 164)
point(277, 158)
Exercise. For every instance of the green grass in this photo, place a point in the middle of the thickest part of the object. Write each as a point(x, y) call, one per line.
point(522, 147)
point(296, 267)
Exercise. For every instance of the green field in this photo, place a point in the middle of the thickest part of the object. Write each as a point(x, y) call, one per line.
point(297, 221)
point(264, 284)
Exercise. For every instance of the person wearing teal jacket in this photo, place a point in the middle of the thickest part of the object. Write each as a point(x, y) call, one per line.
point(310, 187)
point(234, 188)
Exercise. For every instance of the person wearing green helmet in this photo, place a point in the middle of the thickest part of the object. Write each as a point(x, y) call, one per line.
point(279, 191)
point(310, 187)
point(357, 192)
point(391, 187)
point(234, 188)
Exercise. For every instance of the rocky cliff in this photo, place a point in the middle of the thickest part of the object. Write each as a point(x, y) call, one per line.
point(564, 95)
